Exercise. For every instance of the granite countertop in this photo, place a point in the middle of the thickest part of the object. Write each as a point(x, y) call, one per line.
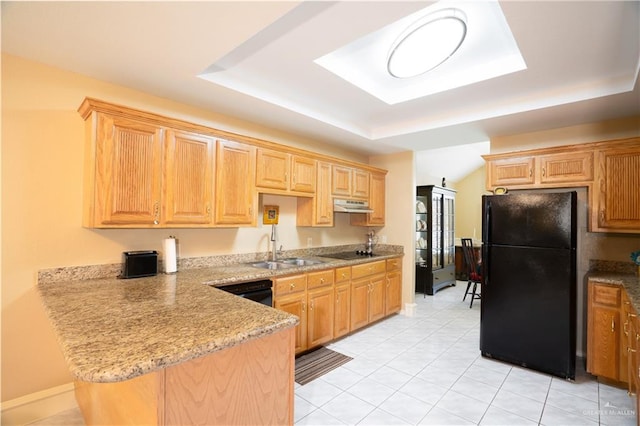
point(112, 329)
point(629, 281)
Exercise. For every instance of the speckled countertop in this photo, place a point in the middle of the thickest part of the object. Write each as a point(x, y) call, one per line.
point(624, 274)
point(112, 330)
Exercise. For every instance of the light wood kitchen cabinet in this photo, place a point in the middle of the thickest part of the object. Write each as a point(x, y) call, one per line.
point(342, 319)
point(616, 198)
point(291, 296)
point(317, 210)
point(393, 291)
point(538, 168)
point(377, 203)
point(189, 162)
point(349, 182)
point(320, 316)
point(281, 171)
point(367, 293)
point(236, 197)
point(604, 331)
point(123, 173)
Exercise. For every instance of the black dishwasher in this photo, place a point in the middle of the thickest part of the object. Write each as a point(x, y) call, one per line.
point(258, 291)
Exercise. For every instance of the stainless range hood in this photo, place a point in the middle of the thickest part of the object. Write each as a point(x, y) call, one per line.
point(351, 206)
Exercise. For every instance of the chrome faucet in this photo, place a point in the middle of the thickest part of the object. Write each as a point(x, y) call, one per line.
point(274, 243)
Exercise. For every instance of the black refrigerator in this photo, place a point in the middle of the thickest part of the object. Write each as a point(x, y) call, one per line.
point(528, 309)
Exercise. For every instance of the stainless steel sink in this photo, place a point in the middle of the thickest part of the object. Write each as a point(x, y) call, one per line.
point(272, 265)
point(299, 261)
point(287, 263)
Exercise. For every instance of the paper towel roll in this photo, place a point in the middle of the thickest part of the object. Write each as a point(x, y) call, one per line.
point(170, 257)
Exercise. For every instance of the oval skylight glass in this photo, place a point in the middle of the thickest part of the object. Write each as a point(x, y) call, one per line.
point(427, 43)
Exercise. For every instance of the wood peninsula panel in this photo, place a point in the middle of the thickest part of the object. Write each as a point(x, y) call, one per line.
point(251, 383)
point(246, 384)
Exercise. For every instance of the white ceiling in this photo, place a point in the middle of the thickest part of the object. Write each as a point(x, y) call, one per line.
point(582, 62)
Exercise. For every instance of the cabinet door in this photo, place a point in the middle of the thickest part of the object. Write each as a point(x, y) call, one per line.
point(320, 316)
point(510, 171)
point(296, 304)
point(569, 167)
point(377, 297)
point(376, 203)
point(188, 178)
point(128, 174)
point(603, 354)
point(235, 190)
point(272, 169)
point(317, 210)
point(341, 181)
point(616, 192)
point(343, 310)
point(303, 176)
point(360, 186)
point(393, 292)
point(359, 303)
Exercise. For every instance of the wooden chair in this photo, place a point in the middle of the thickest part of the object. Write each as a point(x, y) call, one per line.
point(473, 270)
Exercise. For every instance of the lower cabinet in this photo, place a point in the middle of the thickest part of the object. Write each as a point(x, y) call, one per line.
point(613, 336)
point(334, 302)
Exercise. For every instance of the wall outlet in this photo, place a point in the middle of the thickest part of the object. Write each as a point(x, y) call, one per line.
point(383, 239)
point(309, 242)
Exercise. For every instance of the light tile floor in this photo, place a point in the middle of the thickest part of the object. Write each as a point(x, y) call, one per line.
point(427, 370)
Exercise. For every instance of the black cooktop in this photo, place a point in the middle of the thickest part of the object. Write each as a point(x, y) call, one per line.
point(349, 255)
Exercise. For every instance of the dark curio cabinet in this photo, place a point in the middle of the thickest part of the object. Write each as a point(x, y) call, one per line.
point(435, 255)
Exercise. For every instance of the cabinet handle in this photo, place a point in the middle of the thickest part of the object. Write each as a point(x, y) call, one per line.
point(543, 171)
point(637, 336)
point(304, 306)
point(630, 315)
point(344, 275)
point(311, 306)
point(292, 286)
point(631, 350)
point(388, 282)
point(321, 280)
point(208, 209)
point(530, 172)
point(613, 325)
point(156, 211)
point(624, 328)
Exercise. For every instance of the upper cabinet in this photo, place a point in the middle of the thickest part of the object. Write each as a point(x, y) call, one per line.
point(609, 171)
point(123, 173)
point(616, 198)
point(348, 182)
point(376, 203)
point(144, 170)
point(236, 199)
point(189, 160)
point(534, 170)
point(281, 172)
point(318, 210)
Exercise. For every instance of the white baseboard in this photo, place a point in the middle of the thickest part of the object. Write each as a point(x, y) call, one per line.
point(409, 309)
point(38, 405)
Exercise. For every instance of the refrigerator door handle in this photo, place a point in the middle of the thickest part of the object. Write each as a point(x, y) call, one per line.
point(486, 230)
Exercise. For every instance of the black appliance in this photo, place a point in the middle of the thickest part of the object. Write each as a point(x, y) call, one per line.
point(528, 305)
point(258, 291)
point(143, 263)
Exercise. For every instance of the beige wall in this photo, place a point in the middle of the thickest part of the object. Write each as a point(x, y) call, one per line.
point(469, 205)
point(42, 157)
point(400, 218)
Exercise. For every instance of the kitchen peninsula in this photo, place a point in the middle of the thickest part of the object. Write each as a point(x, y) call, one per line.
point(173, 349)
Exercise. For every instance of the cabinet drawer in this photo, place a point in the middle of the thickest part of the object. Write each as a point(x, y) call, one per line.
point(444, 275)
point(319, 279)
point(606, 295)
point(393, 264)
point(343, 274)
point(366, 269)
point(288, 285)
